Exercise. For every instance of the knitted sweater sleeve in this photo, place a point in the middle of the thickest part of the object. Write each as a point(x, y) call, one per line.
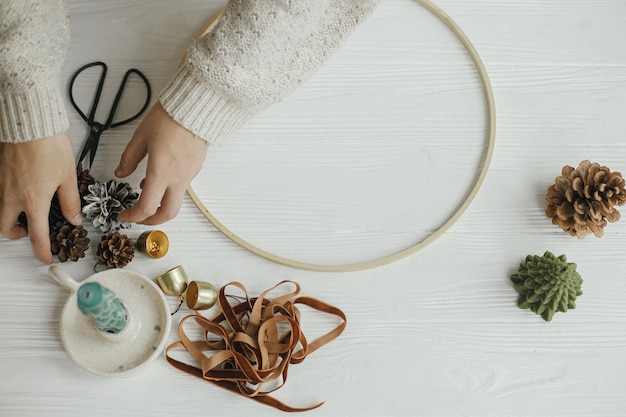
point(34, 36)
point(256, 54)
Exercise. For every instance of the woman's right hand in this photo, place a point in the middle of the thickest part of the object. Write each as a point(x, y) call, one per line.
point(30, 174)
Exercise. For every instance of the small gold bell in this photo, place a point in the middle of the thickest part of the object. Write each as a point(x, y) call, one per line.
point(200, 295)
point(173, 282)
point(153, 243)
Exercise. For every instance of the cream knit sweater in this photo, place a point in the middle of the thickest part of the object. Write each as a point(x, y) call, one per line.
point(257, 53)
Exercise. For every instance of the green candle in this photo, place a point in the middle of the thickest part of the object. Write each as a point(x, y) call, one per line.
point(100, 303)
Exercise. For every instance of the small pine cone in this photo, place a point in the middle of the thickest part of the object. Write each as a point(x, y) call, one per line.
point(583, 199)
point(69, 242)
point(115, 250)
point(547, 284)
point(84, 179)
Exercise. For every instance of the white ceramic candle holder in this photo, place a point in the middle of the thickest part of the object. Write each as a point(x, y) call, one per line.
point(141, 341)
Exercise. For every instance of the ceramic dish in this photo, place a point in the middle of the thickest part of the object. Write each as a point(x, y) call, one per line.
point(140, 342)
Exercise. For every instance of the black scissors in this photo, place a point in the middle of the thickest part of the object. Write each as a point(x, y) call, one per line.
point(95, 128)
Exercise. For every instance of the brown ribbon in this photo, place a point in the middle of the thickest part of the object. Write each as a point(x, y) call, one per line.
point(253, 343)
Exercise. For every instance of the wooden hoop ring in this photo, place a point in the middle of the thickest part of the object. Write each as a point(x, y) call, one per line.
point(491, 134)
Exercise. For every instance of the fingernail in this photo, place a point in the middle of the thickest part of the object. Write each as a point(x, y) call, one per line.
point(77, 220)
point(118, 172)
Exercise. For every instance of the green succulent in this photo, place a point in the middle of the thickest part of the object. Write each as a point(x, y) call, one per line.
point(547, 284)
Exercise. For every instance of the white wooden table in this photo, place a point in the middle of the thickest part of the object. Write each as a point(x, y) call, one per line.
point(369, 156)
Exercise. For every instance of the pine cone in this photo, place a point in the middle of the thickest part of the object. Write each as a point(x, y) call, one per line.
point(55, 216)
point(105, 201)
point(69, 242)
point(547, 284)
point(115, 250)
point(84, 180)
point(583, 199)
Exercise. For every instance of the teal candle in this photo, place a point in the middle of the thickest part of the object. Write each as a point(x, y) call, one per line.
point(100, 303)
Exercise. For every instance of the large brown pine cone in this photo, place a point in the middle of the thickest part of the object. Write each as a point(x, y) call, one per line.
point(115, 250)
point(583, 199)
point(69, 242)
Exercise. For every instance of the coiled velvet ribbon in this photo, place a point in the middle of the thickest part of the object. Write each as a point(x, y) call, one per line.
point(253, 342)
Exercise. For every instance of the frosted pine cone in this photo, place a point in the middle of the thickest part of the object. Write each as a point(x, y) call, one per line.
point(105, 201)
point(583, 199)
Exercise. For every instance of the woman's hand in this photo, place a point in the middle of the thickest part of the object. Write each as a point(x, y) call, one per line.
point(30, 174)
point(175, 157)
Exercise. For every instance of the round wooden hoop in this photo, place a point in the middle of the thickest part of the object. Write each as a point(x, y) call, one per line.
point(491, 137)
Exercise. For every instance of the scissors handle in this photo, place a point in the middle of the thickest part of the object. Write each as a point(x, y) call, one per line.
point(95, 128)
point(118, 97)
point(96, 98)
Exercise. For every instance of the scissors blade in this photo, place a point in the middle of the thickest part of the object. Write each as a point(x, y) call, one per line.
point(91, 145)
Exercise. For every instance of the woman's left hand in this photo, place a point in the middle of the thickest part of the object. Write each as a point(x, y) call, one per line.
point(175, 157)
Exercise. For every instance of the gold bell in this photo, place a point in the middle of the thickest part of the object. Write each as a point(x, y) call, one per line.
point(173, 282)
point(200, 295)
point(153, 243)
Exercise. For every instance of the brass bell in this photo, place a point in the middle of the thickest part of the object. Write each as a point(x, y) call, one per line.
point(153, 243)
point(200, 295)
point(173, 282)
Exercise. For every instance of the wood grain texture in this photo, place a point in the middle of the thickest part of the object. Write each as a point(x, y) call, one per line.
point(370, 154)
